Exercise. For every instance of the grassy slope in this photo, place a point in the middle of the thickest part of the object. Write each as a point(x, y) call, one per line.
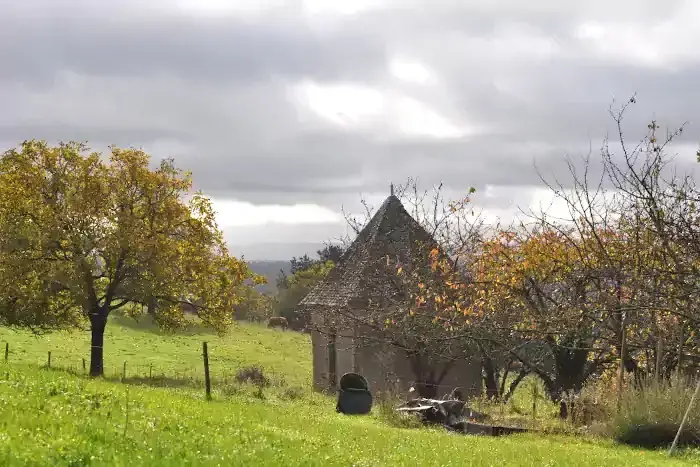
point(54, 418)
point(282, 354)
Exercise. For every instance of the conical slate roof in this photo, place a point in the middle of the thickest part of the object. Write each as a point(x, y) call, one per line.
point(362, 273)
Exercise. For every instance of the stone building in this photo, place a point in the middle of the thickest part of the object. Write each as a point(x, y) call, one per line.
point(343, 341)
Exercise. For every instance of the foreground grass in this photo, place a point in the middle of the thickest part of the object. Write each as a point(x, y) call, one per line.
point(50, 417)
point(171, 356)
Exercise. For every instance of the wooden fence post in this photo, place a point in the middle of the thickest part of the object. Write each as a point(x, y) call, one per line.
point(207, 382)
point(150, 371)
point(83, 365)
point(124, 371)
point(48, 362)
point(7, 351)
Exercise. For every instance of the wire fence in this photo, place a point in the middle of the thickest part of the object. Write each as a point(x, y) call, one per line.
point(225, 376)
point(213, 373)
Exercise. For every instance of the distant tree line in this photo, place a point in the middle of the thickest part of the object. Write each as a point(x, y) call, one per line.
point(305, 272)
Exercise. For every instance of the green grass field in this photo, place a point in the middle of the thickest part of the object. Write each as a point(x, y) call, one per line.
point(54, 417)
point(148, 351)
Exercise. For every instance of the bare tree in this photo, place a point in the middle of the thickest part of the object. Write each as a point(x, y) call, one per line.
point(650, 271)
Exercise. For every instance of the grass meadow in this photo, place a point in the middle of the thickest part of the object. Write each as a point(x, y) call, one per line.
point(158, 414)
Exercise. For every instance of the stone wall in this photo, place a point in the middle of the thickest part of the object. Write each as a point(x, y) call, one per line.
point(375, 362)
point(320, 361)
point(386, 368)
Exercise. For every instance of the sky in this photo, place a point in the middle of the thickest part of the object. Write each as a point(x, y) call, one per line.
point(287, 111)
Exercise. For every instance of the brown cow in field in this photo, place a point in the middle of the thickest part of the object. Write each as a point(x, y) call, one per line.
point(278, 322)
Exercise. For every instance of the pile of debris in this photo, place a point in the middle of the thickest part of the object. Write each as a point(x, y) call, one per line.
point(452, 413)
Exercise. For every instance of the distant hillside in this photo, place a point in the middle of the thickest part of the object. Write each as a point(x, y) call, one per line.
point(274, 251)
point(269, 270)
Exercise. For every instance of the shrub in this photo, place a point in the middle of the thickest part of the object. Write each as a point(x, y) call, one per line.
point(253, 375)
point(593, 405)
point(650, 416)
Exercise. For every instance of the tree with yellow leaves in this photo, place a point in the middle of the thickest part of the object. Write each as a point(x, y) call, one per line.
point(535, 294)
point(82, 236)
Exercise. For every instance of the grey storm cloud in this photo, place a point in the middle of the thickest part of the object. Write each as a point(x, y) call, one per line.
point(214, 92)
point(212, 51)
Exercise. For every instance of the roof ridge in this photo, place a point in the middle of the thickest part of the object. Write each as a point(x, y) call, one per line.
point(391, 228)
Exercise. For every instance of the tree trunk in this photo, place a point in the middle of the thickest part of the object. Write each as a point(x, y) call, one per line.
point(557, 395)
point(489, 374)
point(427, 390)
point(504, 378)
point(98, 322)
point(659, 359)
point(563, 410)
point(427, 381)
point(490, 378)
point(151, 307)
point(681, 341)
point(513, 386)
point(621, 368)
